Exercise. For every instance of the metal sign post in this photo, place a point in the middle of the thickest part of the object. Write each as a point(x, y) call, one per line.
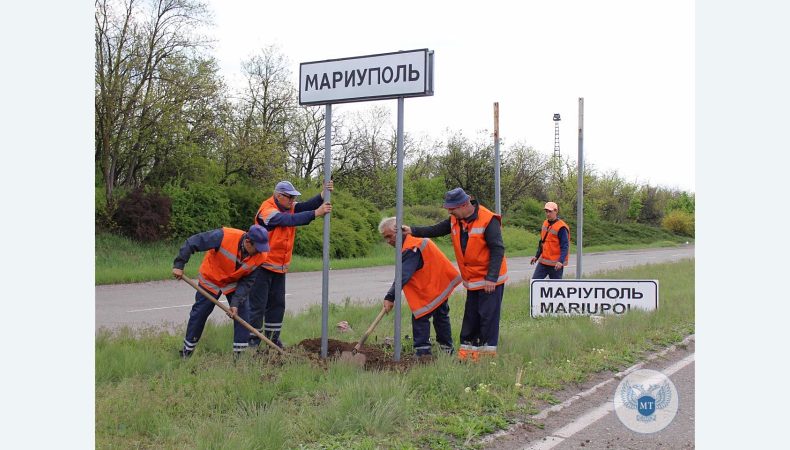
point(327, 194)
point(399, 236)
point(580, 193)
point(374, 77)
point(498, 201)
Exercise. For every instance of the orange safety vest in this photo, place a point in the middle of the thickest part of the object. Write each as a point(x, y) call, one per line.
point(551, 242)
point(281, 239)
point(474, 263)
point(431, 285)
point(218, 270)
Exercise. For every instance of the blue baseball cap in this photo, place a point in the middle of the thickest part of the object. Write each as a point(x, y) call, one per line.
point(259, 237)
point(285, 187)
point(455, 198)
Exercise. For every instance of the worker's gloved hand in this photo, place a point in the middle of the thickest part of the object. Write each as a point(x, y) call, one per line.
point(388, 305)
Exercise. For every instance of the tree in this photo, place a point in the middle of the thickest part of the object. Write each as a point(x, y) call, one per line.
point(469, 165)
point(523, 172)
point(140, 48)
point(256, 140)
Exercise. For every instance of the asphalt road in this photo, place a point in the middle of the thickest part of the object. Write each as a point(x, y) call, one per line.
point(166, 303)
point(591, 422)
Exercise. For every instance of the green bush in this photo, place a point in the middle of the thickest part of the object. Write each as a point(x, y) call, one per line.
point(527, 214)
point(244, 203)
point(679, 222)
point(424, 191)
point(353, 229)
point(197, 208)
point(516, 238)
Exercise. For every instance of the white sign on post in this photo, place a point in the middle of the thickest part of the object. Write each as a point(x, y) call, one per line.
point(591, 297)
point(373, 77)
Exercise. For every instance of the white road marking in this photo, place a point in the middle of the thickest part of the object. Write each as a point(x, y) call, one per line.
point(166, 307)
point(595, 414)
point(614, 260)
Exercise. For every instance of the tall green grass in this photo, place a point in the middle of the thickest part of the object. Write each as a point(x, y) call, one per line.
point(146, 397)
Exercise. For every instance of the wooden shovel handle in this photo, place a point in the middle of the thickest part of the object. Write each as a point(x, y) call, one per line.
point(370, 329)
point(238, 319)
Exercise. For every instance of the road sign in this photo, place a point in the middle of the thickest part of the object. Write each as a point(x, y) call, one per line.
point(373, 77)
point(591, 297)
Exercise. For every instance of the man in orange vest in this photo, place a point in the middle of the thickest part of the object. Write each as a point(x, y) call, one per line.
point(229, 268)
point(428, 278)
point(480, 254)
point(552, 254)
point(280, 214)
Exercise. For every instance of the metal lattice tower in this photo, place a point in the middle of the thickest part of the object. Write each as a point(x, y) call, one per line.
point(557, 159)
point(557, 136)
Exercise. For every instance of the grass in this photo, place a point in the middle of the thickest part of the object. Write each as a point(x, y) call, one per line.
point(123, 260)
point(146, 397)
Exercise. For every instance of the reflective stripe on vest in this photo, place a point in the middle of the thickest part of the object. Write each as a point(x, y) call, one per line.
point(275, 267)
point(430, 285)
point(221, 267)
point(550, 254)
point(281, 238)
point(479, 284)
point(236, 260)
point(439, 298)
point(474, 262)
point(215, 289)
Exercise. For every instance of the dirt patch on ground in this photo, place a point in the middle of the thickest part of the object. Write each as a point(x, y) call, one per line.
point(377, 357)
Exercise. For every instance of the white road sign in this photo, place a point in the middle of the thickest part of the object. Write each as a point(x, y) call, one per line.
point(591, 297)
point(373, 77)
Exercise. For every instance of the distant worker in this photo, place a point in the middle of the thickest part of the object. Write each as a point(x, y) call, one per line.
point(428, 278)
point(229, 268)
point(280, 214)
point(552, 254)
point(480, 254)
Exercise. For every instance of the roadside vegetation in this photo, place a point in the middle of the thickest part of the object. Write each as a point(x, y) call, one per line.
point(121, 259)
point(146, 397)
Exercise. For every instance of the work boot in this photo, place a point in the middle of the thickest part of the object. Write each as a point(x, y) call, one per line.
point(185, 354)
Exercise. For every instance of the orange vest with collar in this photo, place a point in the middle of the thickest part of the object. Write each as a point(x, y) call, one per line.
point(550, 255)
point(474, 262)
point(281, 239)
point(218, 272)
point(431, 285)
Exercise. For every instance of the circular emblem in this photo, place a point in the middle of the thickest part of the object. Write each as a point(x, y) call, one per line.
point(646, 401)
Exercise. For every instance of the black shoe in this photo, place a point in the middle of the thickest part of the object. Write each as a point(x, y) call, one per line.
point(185, 354)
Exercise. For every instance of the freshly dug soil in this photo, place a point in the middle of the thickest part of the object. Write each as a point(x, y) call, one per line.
point(376, 357)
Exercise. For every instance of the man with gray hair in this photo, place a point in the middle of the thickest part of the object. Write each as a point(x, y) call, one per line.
point(428, 278)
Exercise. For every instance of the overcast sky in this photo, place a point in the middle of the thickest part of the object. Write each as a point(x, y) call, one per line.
point(633, 62)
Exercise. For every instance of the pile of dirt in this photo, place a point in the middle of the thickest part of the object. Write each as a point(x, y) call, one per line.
point(377, 357)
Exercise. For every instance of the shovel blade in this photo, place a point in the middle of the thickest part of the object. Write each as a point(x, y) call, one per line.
point(353, 358)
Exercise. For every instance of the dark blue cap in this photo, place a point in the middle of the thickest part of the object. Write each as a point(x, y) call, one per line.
point(285, 187)
point(259, 237)
point(455, 198)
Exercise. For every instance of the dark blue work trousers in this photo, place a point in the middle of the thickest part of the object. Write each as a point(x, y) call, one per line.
point(542, 270)
point(480, 326)
point(422, 330)
point(201, 309)
point(267, 305)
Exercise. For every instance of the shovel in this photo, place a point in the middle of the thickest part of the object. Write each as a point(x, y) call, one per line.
point(359, 358)
point(238, 319)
